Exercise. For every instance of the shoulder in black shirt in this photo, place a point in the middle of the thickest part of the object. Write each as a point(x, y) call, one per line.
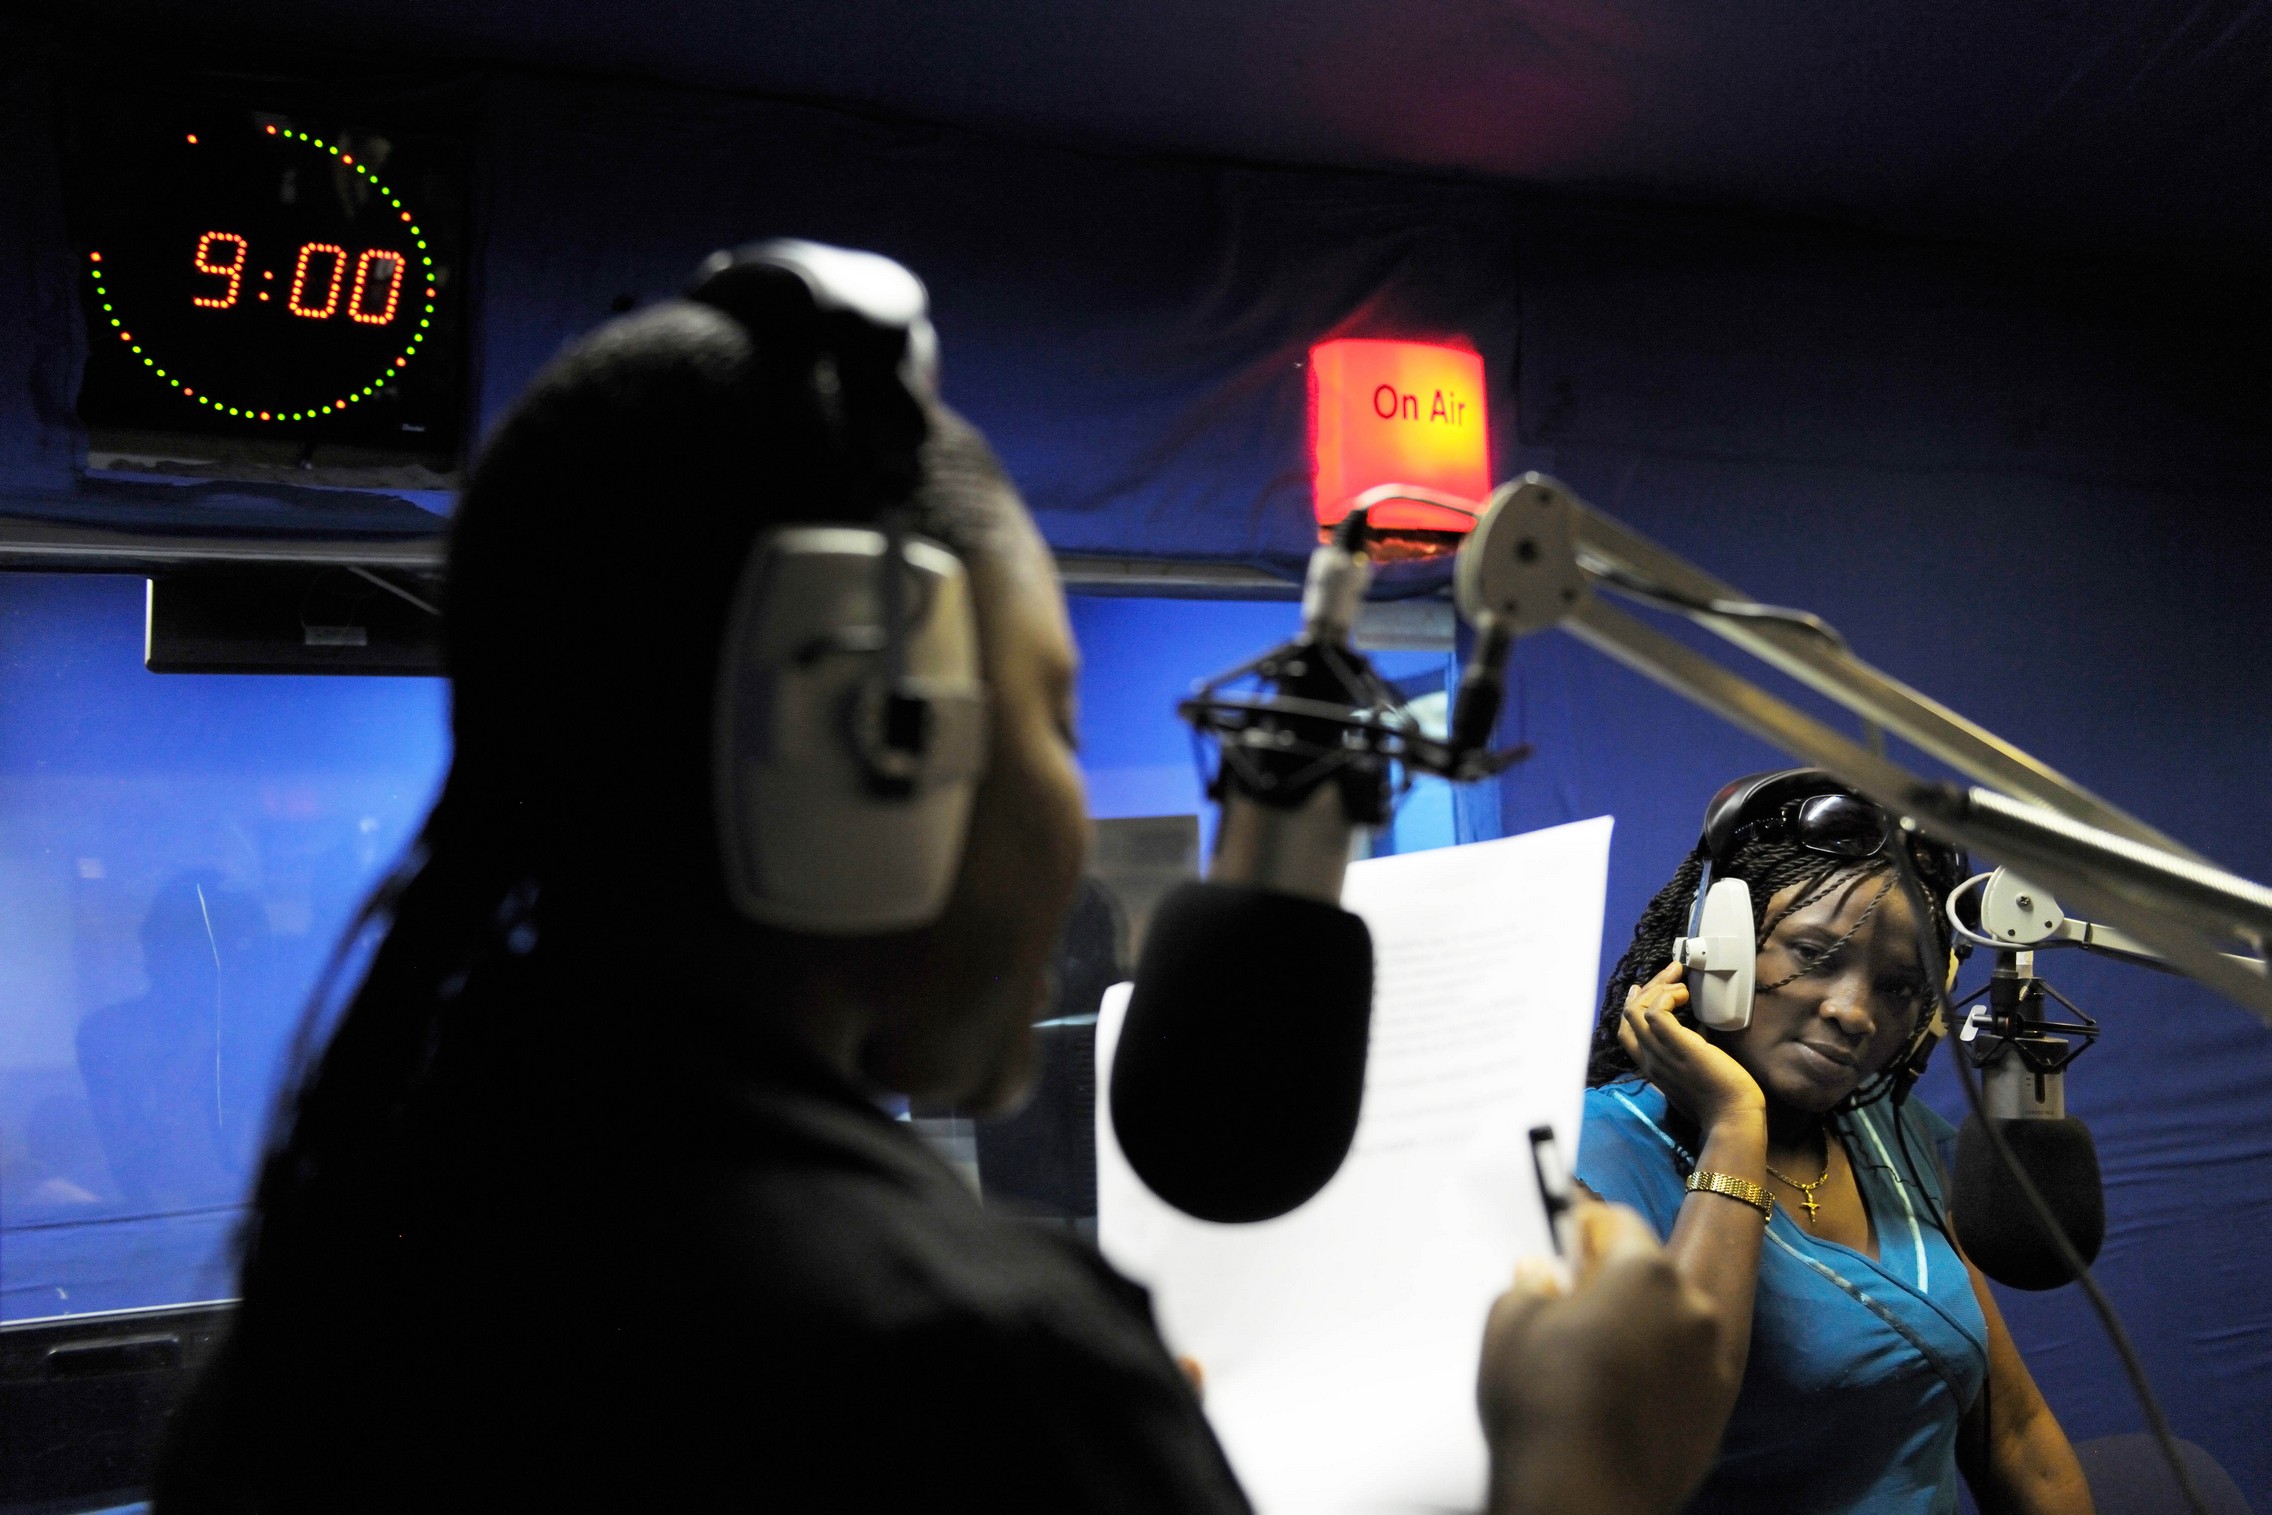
point(760, 1293)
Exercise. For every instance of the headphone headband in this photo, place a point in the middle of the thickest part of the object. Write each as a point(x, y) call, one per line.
point(856, 329)
point(784, 283)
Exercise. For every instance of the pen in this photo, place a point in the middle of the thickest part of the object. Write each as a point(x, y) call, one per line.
point(1553, 1187)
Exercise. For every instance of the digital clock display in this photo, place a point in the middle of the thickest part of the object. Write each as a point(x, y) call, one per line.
point(259, 275)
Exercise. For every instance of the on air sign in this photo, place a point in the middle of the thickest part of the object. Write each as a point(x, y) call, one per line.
point(1408, 413)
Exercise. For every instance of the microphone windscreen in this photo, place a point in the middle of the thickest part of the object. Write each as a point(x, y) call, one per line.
point(1996, 1225)
point(1241, 1064)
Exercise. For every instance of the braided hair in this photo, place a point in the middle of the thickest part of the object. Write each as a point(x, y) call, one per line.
point(1769, 866)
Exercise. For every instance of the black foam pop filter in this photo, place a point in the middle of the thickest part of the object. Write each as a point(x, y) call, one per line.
point(1241, 1065)
point(1999, 1229)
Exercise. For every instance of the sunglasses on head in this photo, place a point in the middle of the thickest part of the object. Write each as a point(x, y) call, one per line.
point(1841, 825)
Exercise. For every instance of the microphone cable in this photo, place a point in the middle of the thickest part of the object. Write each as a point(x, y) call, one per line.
point(1665, 597)
point(2132, 1369)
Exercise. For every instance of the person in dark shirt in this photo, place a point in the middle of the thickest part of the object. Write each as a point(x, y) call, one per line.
point(588, 1201)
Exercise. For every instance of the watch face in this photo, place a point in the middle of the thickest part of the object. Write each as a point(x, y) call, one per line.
point(263, 275)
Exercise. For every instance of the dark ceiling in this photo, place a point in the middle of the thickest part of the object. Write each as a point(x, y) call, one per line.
point(2141, 127)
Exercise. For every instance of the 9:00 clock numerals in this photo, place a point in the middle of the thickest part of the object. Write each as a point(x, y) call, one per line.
point(374, 265)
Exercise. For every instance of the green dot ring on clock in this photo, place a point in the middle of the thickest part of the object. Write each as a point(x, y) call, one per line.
point(332, 284)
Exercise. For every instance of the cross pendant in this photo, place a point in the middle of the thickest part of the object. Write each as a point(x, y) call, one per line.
point(1808, 1201)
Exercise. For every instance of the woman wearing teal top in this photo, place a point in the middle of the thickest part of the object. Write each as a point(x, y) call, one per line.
point(1795, 1184)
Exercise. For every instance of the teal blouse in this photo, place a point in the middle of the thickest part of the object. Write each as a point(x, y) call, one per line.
point(1860, 1367)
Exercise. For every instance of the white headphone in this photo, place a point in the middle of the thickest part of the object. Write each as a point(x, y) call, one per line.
point(850, 719)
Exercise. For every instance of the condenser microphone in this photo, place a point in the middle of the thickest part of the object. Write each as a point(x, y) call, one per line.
point(1241, 1065)
point(1240, 1068)
point(2023, 1073)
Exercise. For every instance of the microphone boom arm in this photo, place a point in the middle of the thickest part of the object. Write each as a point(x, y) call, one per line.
point(2021, 810)
point(1607, 546)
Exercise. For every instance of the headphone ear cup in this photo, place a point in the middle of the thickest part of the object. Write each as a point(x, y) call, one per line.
point(1722, 957)
point(812, 836)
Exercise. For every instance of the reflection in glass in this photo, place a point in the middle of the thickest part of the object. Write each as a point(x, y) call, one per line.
point(159, 1069)
point(178, 855)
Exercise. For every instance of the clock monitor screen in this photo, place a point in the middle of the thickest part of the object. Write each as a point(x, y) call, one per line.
point(263, 275)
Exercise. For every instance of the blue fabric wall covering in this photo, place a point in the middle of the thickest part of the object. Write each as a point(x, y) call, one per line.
point(2033, 489)
point(1130, 335)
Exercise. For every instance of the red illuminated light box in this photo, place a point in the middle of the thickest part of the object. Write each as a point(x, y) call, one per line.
point(1411, 413)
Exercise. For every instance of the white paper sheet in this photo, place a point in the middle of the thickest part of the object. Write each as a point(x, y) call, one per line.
point(1339, 1343)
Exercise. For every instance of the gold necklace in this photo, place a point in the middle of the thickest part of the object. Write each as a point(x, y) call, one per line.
point(1806, 1191)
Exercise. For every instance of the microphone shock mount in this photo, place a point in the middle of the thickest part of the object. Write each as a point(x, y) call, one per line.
point(1314, 711)
point(2022, 1053)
